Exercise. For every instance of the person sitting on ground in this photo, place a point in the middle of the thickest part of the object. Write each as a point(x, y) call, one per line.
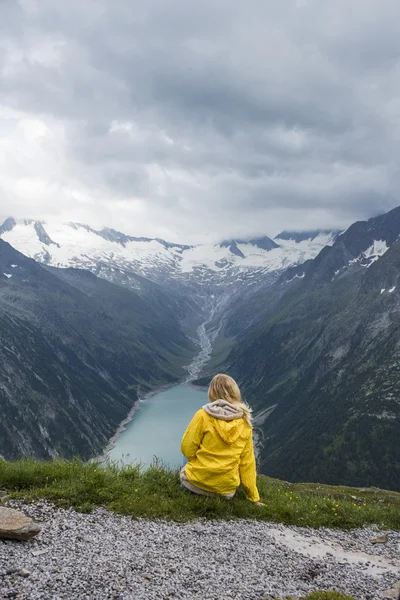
point(218, 445)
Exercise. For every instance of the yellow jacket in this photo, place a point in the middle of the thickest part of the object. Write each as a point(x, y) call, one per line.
point(218, 444)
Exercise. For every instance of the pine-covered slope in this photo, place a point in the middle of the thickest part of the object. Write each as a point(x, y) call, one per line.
point(320, 362)
point(75, 351)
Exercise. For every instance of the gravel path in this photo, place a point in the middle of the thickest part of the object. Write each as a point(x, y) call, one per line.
point(104, 556)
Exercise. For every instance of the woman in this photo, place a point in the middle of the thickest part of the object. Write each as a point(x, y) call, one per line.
point(218, 445)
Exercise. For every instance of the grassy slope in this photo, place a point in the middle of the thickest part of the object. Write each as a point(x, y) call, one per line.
point(156, 493)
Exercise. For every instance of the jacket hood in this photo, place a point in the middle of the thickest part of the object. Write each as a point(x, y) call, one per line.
point(228, 419)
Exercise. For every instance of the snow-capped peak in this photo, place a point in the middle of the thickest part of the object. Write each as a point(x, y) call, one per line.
point(117, 256)
point(263, 242)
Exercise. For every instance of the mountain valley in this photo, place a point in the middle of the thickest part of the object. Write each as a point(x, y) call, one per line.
point(308, 323)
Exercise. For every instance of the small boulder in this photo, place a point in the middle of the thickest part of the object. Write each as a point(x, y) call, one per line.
point(25, 573)
point(40, 552)
point(393, 593)
point(14, 525)
point(380, 539)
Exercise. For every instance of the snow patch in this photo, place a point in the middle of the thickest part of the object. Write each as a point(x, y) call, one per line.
point(392, 289)
point(372, 260)
point(372, 254)
point(383, 290)
point(8, 275)
point(378, 248)
point(296, 277)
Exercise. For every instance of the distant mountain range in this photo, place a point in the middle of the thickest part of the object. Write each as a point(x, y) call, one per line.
point(120, 258)
point(308, 323)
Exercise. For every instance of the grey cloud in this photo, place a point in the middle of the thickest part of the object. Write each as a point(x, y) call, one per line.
point(277, 113)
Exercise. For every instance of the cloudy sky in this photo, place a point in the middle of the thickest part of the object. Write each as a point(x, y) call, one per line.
point(197, 120)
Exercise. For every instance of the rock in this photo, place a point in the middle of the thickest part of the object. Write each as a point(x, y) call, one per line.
point(393, 593)
point(3, 496)
point(380, 539)
point(40, 552)
point(14, 525)
point(25, 573)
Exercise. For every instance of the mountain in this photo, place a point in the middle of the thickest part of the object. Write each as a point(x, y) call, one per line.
point(264, 243)
point(318, 356)
point(75, 352)
point(308, 323)
point(306, 236)
point(361, 244)
point(122, 258)
point(92, 344)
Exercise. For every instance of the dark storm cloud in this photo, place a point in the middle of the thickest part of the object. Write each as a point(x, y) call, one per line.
point(186, 118)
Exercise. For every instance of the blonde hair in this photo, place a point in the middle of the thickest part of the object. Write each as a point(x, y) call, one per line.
point(223, 387)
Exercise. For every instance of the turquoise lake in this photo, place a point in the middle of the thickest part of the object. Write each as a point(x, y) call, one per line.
point(157, 427)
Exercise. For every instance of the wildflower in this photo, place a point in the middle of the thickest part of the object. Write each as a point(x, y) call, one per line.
point(95, 471)
point(354, 504)
point(315, 506)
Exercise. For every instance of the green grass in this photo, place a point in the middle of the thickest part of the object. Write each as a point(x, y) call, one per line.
point(156, 493)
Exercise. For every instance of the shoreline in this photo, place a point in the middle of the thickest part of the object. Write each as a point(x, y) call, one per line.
point(102, 458)
point(136, 406)
point(122, 426)
point(193, 371)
